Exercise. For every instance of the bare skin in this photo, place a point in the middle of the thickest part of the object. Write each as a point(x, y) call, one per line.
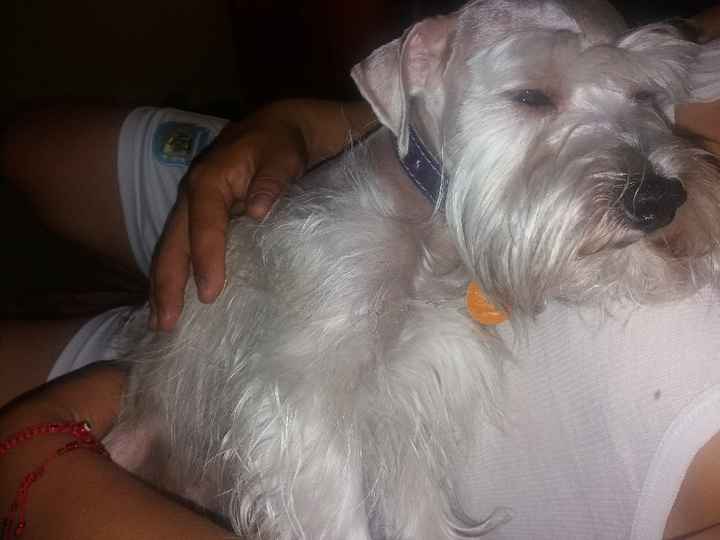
point(60, 156)
point(708, 22)
point(701, 119)
point(695, 515)
point(250, 164)
point(696, 512)
point(65, 160)
point(23, 368)
point(83, 495)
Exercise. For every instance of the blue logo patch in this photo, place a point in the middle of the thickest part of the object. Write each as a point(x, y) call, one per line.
point(177, 143)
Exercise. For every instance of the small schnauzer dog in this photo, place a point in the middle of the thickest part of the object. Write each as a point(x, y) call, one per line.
point(527, 150)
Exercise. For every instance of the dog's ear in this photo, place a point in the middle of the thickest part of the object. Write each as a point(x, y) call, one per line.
point(402, 69)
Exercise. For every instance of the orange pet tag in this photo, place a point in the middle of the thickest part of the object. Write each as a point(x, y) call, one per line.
point(480, 309)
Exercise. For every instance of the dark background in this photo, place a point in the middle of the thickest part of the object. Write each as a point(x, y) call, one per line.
point(210, 54)
point(219, 56)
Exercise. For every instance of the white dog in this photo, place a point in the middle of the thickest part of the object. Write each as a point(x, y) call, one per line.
point(328, 391)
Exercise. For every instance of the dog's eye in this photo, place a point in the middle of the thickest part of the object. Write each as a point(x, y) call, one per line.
point(644, 97)
point(533, 98)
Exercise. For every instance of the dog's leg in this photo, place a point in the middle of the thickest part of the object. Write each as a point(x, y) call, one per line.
point(303, 476)
point(328, 492)
point(441, 379)
point(415, 502)
point(422, 508)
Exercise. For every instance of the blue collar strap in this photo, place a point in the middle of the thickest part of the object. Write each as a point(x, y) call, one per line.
point(423, 168)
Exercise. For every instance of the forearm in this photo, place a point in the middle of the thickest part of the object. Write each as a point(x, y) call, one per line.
point(326, 127)
point(86, 496)
point(702, 118)
point(330, 127)
point(92, 394)
point(82, 494)
point(708, 22)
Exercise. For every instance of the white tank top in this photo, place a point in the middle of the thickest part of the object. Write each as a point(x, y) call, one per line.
point(603, 419)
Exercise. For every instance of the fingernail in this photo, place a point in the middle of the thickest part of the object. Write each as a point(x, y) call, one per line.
point(261, 201)
point(205, 294)
point(166, 320)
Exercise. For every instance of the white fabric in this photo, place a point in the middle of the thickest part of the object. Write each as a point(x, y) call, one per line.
point(691, 430)
point(148, 181)
point(93, 342)
point(603, 417)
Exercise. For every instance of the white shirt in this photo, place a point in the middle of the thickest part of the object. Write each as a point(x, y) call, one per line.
point(603, 419)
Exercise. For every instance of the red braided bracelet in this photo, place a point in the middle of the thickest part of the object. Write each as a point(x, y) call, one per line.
point(14, 523)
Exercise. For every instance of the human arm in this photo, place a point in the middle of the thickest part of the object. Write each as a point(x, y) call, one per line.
point(252, 161)
point(708, 23)
point(696, 513)
point(84, 495)
point(256, 159)
point(703, 119)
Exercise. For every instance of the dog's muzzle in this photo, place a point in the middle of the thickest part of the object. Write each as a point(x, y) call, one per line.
point(650, 202)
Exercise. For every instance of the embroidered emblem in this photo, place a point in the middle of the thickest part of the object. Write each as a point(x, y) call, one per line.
point(177, 143)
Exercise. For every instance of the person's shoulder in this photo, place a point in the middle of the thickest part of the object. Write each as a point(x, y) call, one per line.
point(696, 512)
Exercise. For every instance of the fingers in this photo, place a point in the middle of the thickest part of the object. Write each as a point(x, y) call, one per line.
point(194, 237)
point(213, 195)
point(272, 179)
point(170, 269)
point(209, 203)
point(252, 163)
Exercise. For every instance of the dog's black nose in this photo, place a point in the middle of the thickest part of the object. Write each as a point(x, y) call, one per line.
point(650, 202)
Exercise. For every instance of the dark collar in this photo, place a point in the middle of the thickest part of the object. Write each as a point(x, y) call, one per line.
point(424, 169)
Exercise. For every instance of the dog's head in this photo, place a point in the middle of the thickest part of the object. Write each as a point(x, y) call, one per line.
point(554, 127)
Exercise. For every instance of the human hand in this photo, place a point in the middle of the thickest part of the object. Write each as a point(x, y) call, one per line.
point(247, 168)
point(701, 118)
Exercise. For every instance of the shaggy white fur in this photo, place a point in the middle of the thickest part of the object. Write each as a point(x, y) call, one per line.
point(328, 391)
